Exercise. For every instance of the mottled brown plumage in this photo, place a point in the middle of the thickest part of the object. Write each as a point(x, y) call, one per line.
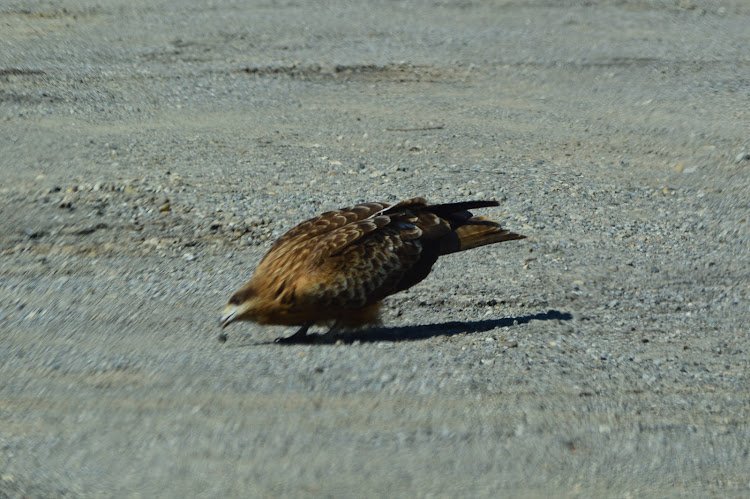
point(338, 266)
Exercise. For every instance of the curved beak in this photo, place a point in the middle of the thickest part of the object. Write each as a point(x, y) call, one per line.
point(228, 315)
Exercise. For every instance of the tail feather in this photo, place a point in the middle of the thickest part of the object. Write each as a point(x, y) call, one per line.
point(477, 231)
point(444, 210)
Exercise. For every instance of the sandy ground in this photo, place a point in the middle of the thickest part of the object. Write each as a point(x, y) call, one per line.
point(150, 152)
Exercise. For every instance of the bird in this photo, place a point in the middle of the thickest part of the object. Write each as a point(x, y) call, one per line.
point(336, 268)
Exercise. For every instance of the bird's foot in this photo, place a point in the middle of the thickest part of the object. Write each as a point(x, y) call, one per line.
point(300, 336)
point(295, 340)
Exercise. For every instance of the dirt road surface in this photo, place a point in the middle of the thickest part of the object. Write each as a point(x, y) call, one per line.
point(150, 152)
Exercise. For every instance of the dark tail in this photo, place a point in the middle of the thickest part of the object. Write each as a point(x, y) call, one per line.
point(467, 231)
point(446, 210)
point(475, 232)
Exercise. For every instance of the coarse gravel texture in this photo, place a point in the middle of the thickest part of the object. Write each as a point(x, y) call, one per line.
point(150, 152)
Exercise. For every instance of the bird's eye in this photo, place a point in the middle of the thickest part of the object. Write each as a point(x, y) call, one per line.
point(235, 300)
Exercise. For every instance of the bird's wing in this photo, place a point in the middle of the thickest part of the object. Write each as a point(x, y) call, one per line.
point(363, 272)
point(301, 240)
point(405, 219)
point(359, 263)
point(410, 219)
point(338, 240)
point(328, 222)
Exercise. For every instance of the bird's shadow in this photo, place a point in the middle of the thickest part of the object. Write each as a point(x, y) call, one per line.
point(422, 332)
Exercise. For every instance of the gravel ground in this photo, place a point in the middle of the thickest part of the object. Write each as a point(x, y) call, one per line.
point(150, 152)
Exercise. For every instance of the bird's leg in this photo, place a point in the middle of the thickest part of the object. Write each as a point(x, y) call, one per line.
point(331, 335)
point(299, 337)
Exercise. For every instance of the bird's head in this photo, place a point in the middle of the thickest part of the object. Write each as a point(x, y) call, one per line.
point(242, 306)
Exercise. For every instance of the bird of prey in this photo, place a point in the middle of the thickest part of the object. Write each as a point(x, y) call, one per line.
point(335, 268)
